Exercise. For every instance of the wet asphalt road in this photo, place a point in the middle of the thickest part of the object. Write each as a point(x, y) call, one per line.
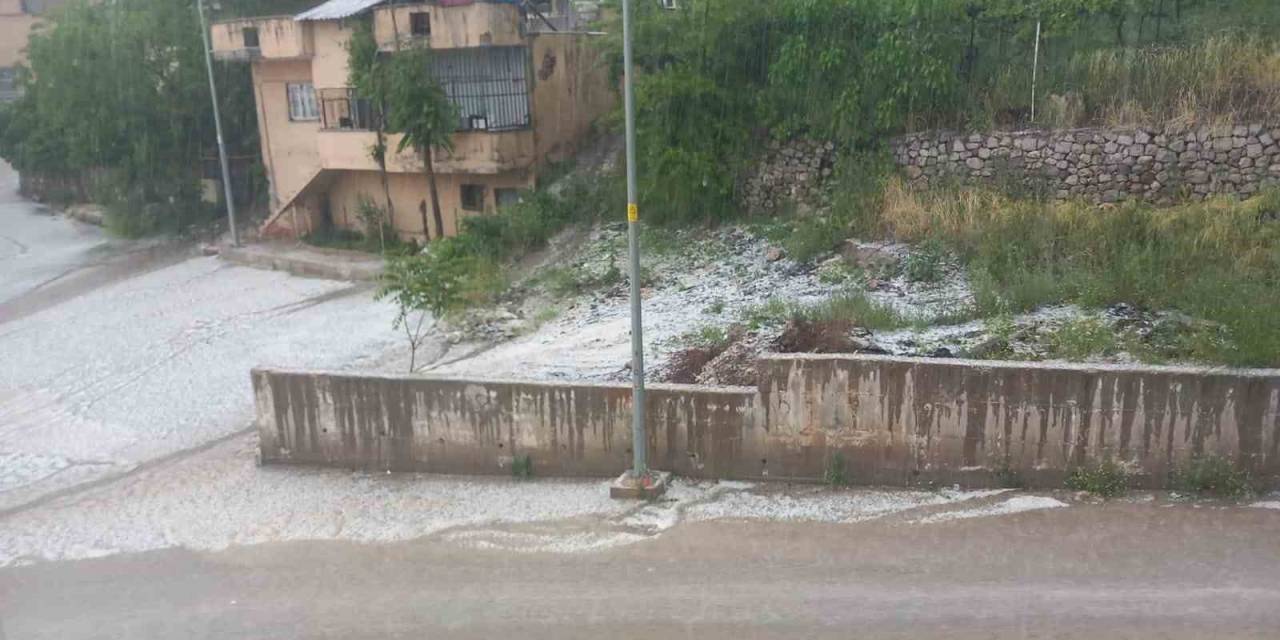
point(1105, 571)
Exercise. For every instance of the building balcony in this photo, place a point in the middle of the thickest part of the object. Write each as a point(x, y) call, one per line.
point(479, 24)
point(269, 38)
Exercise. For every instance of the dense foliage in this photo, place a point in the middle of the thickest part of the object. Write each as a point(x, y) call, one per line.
point(122, 86)
point(717, 78)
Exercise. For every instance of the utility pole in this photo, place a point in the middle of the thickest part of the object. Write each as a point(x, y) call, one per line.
point(217, 125)
point(639, 482)
point(1035, 67)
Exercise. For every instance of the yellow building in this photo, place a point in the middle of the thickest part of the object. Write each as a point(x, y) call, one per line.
point(17, 19)
point(528, 84)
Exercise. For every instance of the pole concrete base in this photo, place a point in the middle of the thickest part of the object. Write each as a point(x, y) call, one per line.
point(647, 487)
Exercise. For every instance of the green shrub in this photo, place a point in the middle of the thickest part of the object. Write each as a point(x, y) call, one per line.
point(522, 467)
point(835, 472)
point(855, 309)
point(1212, 475)
point(711, 337)
point(926, 263)
point(1107, 479)
point(1008, 478)
point(772, 312)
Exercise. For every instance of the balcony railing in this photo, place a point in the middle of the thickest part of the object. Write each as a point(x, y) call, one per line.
point(342, 110)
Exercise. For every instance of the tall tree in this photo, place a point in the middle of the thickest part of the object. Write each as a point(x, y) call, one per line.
point(122, 86)
point(368, 77)
point(420, 110)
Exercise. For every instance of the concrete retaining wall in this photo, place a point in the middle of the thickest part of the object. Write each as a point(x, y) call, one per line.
point(896, 421)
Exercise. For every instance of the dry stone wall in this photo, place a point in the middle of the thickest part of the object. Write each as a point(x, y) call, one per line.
point(1103, 165)
point(789, 172)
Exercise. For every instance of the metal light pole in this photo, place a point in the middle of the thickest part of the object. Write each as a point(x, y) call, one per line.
point(217, 125)
point(639, 441)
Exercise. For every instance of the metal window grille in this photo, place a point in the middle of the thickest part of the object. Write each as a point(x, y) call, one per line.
point(489, 86)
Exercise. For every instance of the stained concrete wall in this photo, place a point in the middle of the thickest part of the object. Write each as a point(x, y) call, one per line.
point(901, 419)
point(409, 423)
point(897, 421)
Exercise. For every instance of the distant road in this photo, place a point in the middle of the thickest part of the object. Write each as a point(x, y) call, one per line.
point(114, 353)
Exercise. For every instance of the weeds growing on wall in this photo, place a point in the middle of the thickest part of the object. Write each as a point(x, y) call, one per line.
point(836, 472)
point(1215, 476)
point(1107, 479)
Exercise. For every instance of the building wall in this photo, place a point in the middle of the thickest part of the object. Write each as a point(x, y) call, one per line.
point(473, 152)
point(409, 193)
point(329, 65)
point(278, 37)
point(570, 92)
point(15, 27)
point(288, 147)
point(897, 421)
point(475, 25)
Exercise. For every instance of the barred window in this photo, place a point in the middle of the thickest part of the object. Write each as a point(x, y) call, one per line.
point(302, 101)
point(473, 197)
point(487, 84)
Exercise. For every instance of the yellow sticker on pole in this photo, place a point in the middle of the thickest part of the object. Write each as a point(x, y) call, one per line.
point(633, 212)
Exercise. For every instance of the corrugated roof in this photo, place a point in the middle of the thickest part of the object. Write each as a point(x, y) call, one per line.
point(337, 9)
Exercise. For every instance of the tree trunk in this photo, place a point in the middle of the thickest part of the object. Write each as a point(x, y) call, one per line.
point(422, 208)
point(386, 184)
point(435, 196)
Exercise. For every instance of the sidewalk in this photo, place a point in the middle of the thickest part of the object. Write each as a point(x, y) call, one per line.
point(303, 260)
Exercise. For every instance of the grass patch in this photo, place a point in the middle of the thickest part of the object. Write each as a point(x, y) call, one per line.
point(927, 262)
point(857, 309)
point(1106, 480)
point(772, 312)
point(575, 280)
point(708, 336)
point(1082, 339)
point(1216, 261)
point(1210, 475)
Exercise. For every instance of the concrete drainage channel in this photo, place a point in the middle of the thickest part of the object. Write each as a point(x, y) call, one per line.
point(888, 420)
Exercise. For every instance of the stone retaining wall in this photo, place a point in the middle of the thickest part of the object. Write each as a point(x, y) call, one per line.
point(1104, 165)
point(1100, 165)
point(897, 421)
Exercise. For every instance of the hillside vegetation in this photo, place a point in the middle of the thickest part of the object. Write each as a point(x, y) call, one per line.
point(717, 80)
